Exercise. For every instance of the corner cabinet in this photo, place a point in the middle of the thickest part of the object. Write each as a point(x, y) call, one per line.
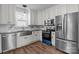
point(7, 13)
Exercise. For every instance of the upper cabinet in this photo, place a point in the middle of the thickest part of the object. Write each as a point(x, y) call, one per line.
point(14, 14)
point(60, 9)
point(52, 12)
point(7, 14)
point(56, 10)
point(40, 17)
point(11, 13)
point(72, 8)
point(66, 8)
point(33, 17)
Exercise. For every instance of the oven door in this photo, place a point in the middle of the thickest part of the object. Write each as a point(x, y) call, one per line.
point(47, 35)
point(46, 38)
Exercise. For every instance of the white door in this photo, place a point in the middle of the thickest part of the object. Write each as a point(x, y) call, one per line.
point(40, 35)
point(4, 14)
point(20, 42)
point(11, 13)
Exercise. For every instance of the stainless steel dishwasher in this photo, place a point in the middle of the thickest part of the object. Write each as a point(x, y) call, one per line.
point(8, 42)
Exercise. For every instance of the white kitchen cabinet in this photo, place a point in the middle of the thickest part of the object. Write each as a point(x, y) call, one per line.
point(34, 35)
point(66, 8)
point(33, 17)
point(20, 42)
point(53, 38)
point(52, 12)
point(43, 16)
point(3, 14)
point(40, 18)
point(47, 14)
point(27, 39)
point(37, 35)
point(72, 8)
point(56, 10)
point(23, 40)
point(61, 9)
point(7, 14)
point(11, 14)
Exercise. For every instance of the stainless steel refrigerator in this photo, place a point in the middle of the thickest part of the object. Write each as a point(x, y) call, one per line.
point(67, 32)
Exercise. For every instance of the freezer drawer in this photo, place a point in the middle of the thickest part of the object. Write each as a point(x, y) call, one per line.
point(60, 44)
point(66, 46)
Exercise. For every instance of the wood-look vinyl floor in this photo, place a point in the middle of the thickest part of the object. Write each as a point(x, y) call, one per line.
point(35, 48)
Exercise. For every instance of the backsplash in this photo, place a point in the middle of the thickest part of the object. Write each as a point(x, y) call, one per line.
point(14, 28)
point(4, 27)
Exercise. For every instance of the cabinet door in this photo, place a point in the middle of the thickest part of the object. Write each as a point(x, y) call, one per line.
point(33, 17)
point(39, 17)
point(27, 40)
point(61, 9)
point(11, 14)
point(7, 14)
point(4, 14)
point(52, 12)
point(47, 14)
point(35, 36)
point(20, 41)
point(53, 38)
point(39, 35)
point(72, 8)
point(44, 15)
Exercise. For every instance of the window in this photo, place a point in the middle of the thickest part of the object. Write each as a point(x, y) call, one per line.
point(22, 18)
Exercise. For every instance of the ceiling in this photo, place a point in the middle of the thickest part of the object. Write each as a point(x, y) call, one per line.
point(39, 6)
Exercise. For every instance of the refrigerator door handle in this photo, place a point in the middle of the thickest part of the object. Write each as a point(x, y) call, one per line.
point(64, 26)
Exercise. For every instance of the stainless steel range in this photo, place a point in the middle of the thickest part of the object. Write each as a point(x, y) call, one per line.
point(67, 32)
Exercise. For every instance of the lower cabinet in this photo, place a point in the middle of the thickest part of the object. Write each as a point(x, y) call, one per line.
point(23, 40)
point(53, 38)
point(37, 35)
point(40, 35)
point(28, 39)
